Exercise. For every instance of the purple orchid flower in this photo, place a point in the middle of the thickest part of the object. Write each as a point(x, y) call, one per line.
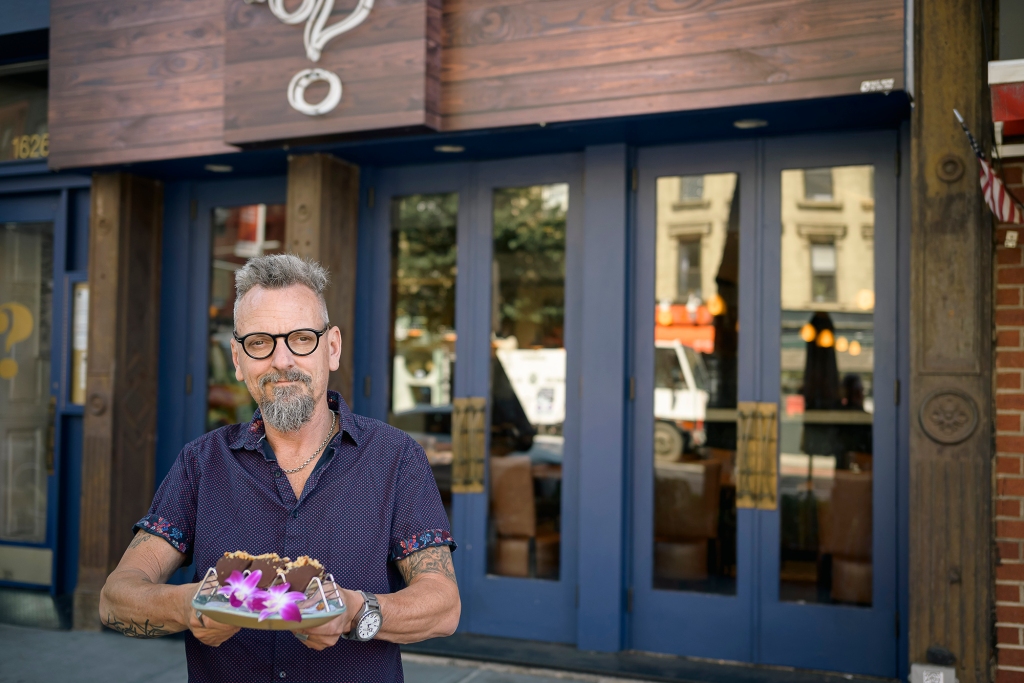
point(242, 589)
point(279, 600)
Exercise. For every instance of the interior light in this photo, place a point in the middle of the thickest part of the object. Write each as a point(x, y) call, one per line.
point(865, 299)
point(826, 339)
point(716, 306)
point(808, 333)
point(842, 344)
point(219, 168)
point(747, 124)
point(449, 149)
point(855, 348)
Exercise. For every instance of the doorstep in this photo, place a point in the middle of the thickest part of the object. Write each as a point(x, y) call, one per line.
point(628, 664)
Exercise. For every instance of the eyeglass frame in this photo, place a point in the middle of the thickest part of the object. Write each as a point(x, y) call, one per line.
point(283, 335)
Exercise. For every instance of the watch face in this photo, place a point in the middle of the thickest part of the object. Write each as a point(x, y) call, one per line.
point(368, 626)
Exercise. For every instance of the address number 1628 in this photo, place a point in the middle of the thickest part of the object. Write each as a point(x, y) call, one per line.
point(31, 146)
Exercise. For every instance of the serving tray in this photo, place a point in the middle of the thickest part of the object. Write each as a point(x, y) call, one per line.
point(323, 602)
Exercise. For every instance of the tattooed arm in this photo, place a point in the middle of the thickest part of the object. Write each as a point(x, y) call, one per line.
point(428, 607)
point(136, 601)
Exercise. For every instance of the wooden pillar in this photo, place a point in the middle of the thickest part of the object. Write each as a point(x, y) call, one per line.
point(950, 570)
point(322, 224)
point(118, 459)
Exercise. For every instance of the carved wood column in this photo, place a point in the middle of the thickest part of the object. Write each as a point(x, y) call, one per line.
point(950, 569)
point(323, 224)
point(118, 459)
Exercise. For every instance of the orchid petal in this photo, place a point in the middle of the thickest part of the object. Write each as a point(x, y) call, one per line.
point(235, 579)
point(253, 578)
point(264, 614)
point(235, 600)
point(290, 612)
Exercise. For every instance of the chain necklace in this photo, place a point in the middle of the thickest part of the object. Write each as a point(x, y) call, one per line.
point(334, 421)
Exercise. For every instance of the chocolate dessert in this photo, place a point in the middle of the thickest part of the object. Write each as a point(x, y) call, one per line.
point(269, 564)
point(299, 573)
point(237, 561)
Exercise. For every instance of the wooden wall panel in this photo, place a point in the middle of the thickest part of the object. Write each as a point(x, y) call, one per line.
point(135, 80)
point(124, 77)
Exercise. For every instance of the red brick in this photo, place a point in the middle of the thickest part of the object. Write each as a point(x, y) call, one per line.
point(1008, 296)
point(1012, 174)
point(1008, 257)
point(1006, 593)
point(1010, 318)
point(1008, 338)
point(1010, 401)
point(1008, 464)
point(1010, 614)
point(1009, 359)
point(1010, 572)
point(1008, 508)
point(1010, 486)
point(1009, 529)
point(1008, 380)
point(1008, 422)
point(1007, 635)
point(1010, 657)
point(1010, 444)
point(1008, 550)
point(1004, 676)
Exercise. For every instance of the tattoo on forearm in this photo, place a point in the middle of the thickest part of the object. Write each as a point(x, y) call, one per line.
point(136, 630)
point(428, 561)
point(140, 538)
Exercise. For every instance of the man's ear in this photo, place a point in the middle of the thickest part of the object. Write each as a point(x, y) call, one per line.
point(334, 348)
point(234, 359)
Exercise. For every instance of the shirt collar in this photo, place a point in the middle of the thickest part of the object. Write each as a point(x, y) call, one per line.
point(250, 435)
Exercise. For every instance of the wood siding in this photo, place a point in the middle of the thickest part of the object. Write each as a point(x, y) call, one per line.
point(144, 79)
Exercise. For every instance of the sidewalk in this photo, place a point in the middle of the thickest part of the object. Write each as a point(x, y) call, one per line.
point(41, 656)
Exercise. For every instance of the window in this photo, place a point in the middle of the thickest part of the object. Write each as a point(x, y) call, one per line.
point(823, 272)
point(818, 184)
point(691, 188)
point(689, 268)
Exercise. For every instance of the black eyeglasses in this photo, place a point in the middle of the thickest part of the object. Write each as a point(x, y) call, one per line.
point(261, 345)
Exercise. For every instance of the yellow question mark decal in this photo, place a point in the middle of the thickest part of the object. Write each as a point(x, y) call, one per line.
point(17, 323)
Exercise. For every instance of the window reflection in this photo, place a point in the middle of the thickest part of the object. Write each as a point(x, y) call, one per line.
point(827, 401)
point(696, 332)
point(527, 380)
point(239, 233)
point(424, 231)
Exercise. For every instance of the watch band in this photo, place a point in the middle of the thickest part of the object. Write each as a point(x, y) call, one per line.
point(370, 604)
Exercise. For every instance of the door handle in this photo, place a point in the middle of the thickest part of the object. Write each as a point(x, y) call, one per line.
point(756, 461)
point(51, 436)
point(469, 443)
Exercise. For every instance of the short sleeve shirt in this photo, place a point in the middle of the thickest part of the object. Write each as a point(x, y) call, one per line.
point(371, 500)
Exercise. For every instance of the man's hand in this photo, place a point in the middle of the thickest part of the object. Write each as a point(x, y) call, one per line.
point(327, 635)
point(206, 630)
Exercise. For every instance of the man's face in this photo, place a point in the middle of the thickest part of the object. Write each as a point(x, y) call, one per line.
point(286, 387)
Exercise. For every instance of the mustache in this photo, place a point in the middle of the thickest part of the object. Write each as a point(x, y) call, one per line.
point(292, 375)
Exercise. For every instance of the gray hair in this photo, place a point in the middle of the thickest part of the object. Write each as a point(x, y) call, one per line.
point(277, 271)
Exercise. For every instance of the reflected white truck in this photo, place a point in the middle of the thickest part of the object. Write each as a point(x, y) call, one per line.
point(680, 399)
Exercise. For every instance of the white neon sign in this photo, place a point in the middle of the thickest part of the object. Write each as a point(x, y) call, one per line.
point(316, 36)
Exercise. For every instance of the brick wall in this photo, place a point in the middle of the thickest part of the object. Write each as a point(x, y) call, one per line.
point(1009, 466)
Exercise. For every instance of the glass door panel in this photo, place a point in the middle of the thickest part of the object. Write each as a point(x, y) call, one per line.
point(696, 332)
point(827, 380)
point(238, 233)
point(424, 253)
point(26, 318)
point(527, 387)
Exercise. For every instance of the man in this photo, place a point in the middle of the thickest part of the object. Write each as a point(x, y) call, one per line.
point(304, 477)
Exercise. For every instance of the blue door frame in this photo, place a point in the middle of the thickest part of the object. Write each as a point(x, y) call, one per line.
point(30, 193)
point(755, 625)
point(486, 598)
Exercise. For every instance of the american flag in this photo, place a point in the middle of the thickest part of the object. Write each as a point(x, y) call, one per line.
point(1003, 204)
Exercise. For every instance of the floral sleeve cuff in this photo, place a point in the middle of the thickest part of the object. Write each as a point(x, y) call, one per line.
point(426, 539)
point(158, 526)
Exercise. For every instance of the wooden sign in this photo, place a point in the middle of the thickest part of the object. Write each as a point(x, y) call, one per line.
point(756, 456)
point(312, 69)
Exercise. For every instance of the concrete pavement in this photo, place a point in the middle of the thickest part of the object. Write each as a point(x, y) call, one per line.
point(29, 655)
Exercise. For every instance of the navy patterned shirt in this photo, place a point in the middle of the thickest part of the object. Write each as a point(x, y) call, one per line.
point(371, 500)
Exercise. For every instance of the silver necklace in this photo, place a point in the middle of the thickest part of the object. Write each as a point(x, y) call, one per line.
point(334, 421)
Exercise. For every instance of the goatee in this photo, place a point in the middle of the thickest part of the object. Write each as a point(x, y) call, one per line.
point(287, 408)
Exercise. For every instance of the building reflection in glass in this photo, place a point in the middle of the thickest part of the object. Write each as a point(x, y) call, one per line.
point(696, 330)
point(424, 229)
point(826, 402)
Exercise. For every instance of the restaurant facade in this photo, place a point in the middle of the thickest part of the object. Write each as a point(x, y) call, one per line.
point(691, 305)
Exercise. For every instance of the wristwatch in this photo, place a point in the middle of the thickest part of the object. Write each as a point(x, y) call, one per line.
point(367, 623)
